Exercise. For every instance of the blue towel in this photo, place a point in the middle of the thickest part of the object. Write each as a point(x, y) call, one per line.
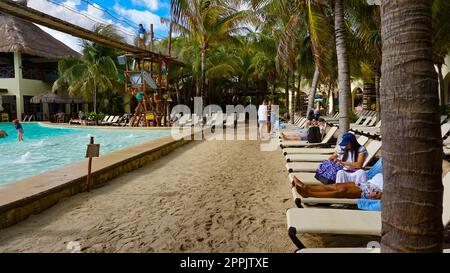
point(369, 204)
point(377, 168)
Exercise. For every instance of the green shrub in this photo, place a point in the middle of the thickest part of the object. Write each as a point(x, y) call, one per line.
point(352, 117)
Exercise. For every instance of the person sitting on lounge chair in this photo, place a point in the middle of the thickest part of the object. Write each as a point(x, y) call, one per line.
point(351, 155)
point(303, 133)
point(370, 189)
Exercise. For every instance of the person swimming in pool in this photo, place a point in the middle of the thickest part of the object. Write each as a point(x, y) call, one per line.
point(3, 134)
point(19, 129)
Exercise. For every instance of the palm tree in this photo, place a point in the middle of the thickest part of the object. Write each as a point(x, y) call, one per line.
point(343, 67)
point(412, 196)
point(441, 40)
point(95, 73)
point(207, 22)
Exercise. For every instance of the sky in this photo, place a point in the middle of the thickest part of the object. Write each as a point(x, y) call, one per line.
point(124, 14)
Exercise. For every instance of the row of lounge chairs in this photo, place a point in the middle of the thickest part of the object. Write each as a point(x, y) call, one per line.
point(212, 120)
point(302, 160)
point(106, 121)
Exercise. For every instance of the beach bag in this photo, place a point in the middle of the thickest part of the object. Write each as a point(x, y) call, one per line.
point(326, 173)
point(314, 135)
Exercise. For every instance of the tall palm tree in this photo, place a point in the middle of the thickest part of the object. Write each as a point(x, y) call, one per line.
point(441, 40)
point(95, 72)
point(343, 67)
point(412, 171)
point(207, 22)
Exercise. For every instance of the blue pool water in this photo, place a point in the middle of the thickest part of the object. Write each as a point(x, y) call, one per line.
point(46, 148)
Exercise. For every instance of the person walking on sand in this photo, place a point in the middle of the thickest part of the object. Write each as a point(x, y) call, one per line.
point(262, 118)
point(269, 115)
point(19, 129)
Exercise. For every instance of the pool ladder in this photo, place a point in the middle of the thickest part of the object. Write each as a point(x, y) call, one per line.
point(29, 117)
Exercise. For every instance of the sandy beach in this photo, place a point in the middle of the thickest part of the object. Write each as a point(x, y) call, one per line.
point(210, 196)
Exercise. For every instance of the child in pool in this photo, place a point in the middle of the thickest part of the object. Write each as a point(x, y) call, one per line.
point(19, 129)
point(3, 134)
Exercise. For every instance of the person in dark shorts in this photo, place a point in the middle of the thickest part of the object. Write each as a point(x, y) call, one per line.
point(19, 129)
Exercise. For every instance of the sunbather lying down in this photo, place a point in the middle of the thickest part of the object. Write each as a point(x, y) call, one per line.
point(372, 189)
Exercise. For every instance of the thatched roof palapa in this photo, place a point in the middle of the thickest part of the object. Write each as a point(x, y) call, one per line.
point(23, 36)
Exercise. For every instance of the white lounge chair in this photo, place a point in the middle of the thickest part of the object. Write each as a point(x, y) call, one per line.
point(314, 154)
point(372, 148)
point(346, 222)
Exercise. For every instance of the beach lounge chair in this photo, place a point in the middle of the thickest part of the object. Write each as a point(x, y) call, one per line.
point(112, 120)
point(346, 250)
point(106, 120)
point(346, 222)
point(325, 140)
point(307, 154)
point(372, 149)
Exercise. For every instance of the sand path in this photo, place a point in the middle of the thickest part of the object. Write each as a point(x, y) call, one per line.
point(204, 197)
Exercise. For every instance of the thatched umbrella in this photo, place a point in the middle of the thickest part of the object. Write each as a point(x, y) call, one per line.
point(25, 37)
point(48, 97)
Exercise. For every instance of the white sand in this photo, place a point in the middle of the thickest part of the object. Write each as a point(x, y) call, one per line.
point(204, 197)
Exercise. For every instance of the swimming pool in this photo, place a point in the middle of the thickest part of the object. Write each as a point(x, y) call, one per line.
point(45, 148)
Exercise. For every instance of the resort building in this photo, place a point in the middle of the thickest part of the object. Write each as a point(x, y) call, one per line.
point(28, 67)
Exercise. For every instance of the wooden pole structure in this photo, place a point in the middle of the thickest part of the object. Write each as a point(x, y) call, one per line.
point(152, 35)
point(89, 182)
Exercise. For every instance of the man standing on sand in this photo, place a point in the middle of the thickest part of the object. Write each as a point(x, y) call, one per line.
point(262, 118)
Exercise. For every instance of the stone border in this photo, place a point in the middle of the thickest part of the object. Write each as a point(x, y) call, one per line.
point(33, 195)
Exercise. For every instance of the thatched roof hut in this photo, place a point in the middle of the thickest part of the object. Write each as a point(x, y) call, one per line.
point(23, 36)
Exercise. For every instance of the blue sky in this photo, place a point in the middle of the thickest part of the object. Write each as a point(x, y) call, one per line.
point(124, 14)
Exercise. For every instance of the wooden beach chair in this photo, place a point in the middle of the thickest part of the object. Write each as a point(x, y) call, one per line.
point(372, 148)
point(346, 222)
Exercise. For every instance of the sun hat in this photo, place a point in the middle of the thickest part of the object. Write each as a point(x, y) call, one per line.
point(346, 138)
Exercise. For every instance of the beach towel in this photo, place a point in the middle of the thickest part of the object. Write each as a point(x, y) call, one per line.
point(377, 168)
point(368, 204)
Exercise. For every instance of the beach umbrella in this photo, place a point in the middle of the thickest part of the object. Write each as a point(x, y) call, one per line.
point(47, 97)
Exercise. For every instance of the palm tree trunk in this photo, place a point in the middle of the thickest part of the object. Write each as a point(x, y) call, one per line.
point(298, 101)
point(203, 70)
point(412, 196)
point(292, 101)
point(441, 84)
point(95, 97)
point(286, 94)
point(312, 91)
point(343, 67)
point(377, 96)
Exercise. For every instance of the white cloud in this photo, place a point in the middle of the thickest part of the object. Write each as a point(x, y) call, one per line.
point(141, 17)
point(151, 4)
point(69, 40)
point(87, 18)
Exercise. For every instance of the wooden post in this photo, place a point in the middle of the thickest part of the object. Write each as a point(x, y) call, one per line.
point(88, 186)
point(93, 150)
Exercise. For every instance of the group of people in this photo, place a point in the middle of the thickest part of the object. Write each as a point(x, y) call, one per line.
point(314, 120)
point(352, 181)
point(266, 118)
point(19, 129)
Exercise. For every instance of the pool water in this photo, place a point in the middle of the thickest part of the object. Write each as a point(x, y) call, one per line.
point(46, 148)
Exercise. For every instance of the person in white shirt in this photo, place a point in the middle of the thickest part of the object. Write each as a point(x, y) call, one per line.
point(262, 118)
